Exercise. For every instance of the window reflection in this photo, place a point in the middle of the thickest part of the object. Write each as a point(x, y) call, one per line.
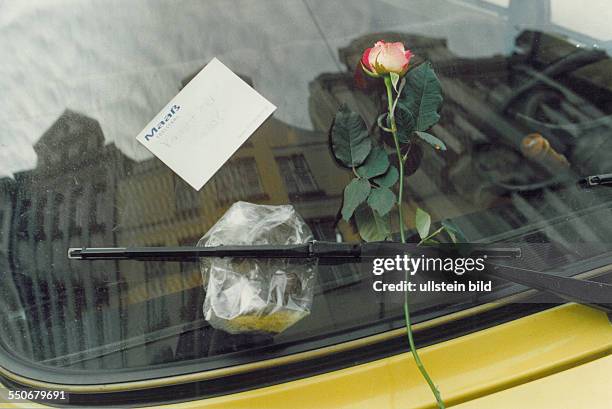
point(85, 191)
point(57, 215)
point(297, 176)
point(238, 180)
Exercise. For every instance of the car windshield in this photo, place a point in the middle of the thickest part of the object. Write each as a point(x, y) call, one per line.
point(81, 79)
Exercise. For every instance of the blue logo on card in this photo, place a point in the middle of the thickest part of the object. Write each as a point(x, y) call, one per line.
point(169, 117)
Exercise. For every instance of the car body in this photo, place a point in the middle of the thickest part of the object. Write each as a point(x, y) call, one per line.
point(86, 78)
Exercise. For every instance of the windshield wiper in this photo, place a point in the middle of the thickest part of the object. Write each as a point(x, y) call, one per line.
point(596, 180)
point(586, 292)
point(314, 249)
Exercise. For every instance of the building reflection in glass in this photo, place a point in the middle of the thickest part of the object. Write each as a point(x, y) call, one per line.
point(130, 314)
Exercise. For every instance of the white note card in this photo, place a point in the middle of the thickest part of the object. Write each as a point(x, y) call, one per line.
point(205, 123)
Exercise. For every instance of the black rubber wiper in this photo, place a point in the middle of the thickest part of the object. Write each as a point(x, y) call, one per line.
point(596, 180)
point(322, 250)
point(573, 289)
point(314, 249)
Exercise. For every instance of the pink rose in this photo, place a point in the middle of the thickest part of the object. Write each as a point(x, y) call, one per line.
point(385, 58)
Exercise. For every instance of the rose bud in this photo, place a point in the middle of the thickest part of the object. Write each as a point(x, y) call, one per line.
point(385, 58)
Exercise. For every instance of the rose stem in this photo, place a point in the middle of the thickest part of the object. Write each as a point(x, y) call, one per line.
point(415, 354)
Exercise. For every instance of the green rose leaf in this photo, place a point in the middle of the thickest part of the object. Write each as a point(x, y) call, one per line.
point(351, 143)
point(389, 178)
point(355, 193)
point(381, 199)
point(375, 164)
point(405, 121)
point(432, 140)
point(423, 222)
point(454, 231)
point(371, 226)
point(422, 95)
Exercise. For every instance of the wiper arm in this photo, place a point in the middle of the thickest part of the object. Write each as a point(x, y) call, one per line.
point(595, 294)
point(596, 180)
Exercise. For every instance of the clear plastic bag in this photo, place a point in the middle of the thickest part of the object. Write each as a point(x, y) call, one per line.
point(257, 295)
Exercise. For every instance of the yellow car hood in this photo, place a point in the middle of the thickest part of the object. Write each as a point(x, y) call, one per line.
point(532, 362)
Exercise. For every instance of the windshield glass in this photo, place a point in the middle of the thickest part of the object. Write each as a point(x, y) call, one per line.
point(83, 79)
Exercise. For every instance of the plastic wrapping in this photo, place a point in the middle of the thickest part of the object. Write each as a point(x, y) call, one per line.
point(257, 295)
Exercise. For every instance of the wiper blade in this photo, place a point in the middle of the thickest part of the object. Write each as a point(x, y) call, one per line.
point(313, 249)
point(596, 180)
point(572, 289)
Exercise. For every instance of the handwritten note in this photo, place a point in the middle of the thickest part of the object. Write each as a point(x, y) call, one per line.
point(205, 123)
